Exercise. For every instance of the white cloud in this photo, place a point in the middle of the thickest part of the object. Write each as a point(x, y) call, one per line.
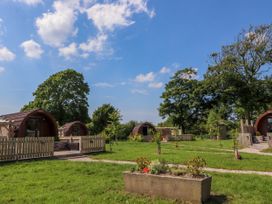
point(155, 85)
point(95, 45)
point(31, 2)
point(55, 27)
point(103, 85)
point(32, 49)
point(139, 91)
point(69, 51)
point(2, 69)
point(108, 16)
point(165, 70)
point(6, 54)
point(141, 78)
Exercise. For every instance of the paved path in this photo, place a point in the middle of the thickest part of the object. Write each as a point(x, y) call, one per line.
point(88, 159)
point(256, 149)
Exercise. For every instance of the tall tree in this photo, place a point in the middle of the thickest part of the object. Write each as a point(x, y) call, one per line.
point(64, 95)
point(101, 118)
point(182, 99)
point(239, 76)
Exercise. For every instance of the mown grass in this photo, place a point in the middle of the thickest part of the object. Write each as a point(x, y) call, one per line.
point(53, 181)
point(218, 154)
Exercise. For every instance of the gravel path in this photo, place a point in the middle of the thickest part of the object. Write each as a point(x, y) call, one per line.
point(256, 149)
point(88, 159)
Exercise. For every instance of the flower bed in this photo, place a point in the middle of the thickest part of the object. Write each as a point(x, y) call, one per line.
point(157, 179)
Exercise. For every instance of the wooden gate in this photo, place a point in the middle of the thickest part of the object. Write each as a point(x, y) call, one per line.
point(12, 149)
point(88, 144)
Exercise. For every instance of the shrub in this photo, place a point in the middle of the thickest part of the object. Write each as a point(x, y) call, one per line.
point(159, 167)
point(136, 138)
point(176, 171)
point(142, 163)
point(195, 166)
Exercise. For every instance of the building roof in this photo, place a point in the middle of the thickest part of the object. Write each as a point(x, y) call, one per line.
point(16, 119)
point(66, 127)
point(138, 127)
point(259, 119)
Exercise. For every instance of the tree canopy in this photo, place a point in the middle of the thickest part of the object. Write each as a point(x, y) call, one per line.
point(64, 95)
point(237, 84)
point(182, 99)
point(101, 117)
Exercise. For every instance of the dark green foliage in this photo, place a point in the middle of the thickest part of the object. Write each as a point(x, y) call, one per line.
point(236, 85)
point(64, 95)
point(111, 130)
point(183, 100)
point(126, 129)
point(100, 118)
point(238, 77)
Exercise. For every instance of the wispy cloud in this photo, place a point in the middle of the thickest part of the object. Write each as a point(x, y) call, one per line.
point(141, 78)
point(2, 69)
point(155, 85)
point(139, 91)
point(30, 2)
point(104, 85)
point(6, 54)
point(69, 51)
point(110, 15)
point(32, 49)
point(165, 70)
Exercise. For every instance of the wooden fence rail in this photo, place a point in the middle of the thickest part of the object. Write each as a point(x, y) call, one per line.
point(88, 144)
point(12, 149)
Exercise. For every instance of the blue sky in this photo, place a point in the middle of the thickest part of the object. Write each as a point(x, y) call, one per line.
point(126, 49)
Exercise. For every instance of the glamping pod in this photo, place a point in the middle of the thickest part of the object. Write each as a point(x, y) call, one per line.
point(264, 123)
point(34, 123)
point(145, 130)
point(75, 128)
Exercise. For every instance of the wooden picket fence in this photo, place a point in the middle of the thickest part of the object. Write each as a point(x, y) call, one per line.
point(12, 149)
point(89, 144)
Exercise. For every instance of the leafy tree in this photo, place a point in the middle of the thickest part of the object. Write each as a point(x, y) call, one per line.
point(126, 129)
point(183, 100)
point(214, 121)
point(111, 131)
point(239, 75)
point(167, 123)
point(64, 95)
point(100, 118)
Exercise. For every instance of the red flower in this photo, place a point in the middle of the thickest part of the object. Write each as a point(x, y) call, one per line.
point(146, 170)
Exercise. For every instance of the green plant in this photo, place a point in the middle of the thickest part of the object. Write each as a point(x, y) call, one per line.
point(157, 137)
point(136, 138)
point(142, 163)
point(195, 166)
point(176, 171)
point(159, 167)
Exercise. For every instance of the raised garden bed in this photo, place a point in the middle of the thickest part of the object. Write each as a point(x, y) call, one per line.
point(195, 190)
point(156, 178)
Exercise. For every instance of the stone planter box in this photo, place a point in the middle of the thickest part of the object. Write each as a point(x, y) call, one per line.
point(195, 190)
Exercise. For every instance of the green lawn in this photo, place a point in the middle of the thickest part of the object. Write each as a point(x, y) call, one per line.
point(52, 181)
point(216, 153)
